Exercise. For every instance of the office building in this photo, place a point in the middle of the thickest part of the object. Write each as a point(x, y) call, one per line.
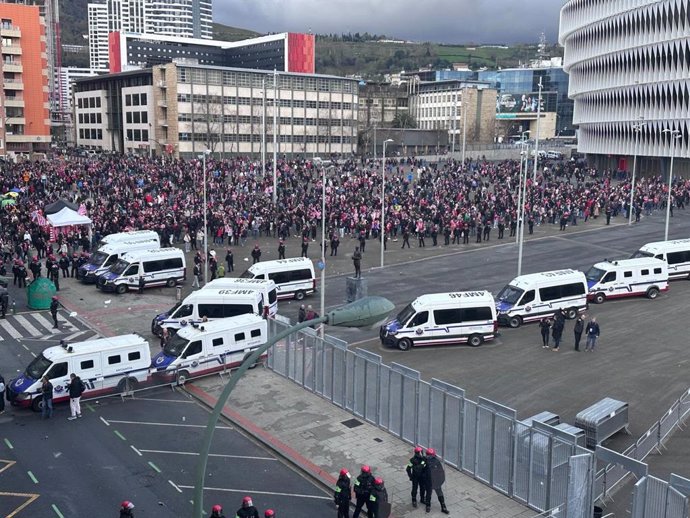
point(25, 128)
point(98, 36)
point(64, 123)
point(185, 109)
point(628, 64)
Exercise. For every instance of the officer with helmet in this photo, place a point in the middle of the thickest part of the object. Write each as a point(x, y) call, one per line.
point(247, 510)
point(434, 478)
point(343, 494)
point(363, 486)
point(217, 512)
point(269, 513)
point(126, 509)
point(415, 471)
point(378, 500)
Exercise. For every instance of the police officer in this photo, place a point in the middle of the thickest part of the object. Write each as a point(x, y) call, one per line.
point(126, 509)
point(35, 267)
point(217, 512)
point(247, 510)
point(75, 265)
point(21, 274)
point(15, 272)
point(363, 486)
point(55, 275)
point(230, 261)
point(81, 261)
point(335, 242)
point(343, 494)
point(378, 496)
point(4, 302)
point(281, 249)
point(415, 472)
point(54, 305)
point(64, 265)
point(142, 284)
point(256, 254)
point(270, 513)
point(433, 466)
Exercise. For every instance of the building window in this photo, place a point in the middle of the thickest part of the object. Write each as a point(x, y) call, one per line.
point(128, 100)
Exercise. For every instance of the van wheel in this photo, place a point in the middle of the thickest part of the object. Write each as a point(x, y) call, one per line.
point(300, 295)
point(170, 283)
point(571, 313)
point(652, 293)
point(599, 298)
point(404, 344)
point(37, 404)
point(475, 340)
point(121, 289)
point(246, 357)
point(127, 385)
point(182, 377)
point(515, 322)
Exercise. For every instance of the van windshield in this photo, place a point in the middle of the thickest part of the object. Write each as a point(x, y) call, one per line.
point(247, 275)
point(406, 314)
point(98, 258)
point(38, 367)
point(175, 346)
point(510, 294)
point(594, 274)
point(119, 267)
point(640, 253)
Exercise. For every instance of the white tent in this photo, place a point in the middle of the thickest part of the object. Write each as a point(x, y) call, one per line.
point(67, 217)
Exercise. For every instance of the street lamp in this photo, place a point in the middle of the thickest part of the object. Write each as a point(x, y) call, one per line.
point(203, 158)
point(675, 135)
point(275, 135)
point(463, 105)
point(523, 158)
point(323, 243)
point(383, 196)
point(536, 142)
point(263, 130)
point(364, 312)
point(638, 129)
point(521, 219)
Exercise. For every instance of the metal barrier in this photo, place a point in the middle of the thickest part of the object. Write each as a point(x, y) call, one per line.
point(537, 465)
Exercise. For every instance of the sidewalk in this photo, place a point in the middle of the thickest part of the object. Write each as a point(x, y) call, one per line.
point(310, 433)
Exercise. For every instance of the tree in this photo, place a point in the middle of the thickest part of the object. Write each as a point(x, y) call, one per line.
point(404, 120)
point(208, 121)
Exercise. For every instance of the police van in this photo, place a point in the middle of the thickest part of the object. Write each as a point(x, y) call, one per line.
point(627, 278)
point(162, 267)
point(532, 297)
point(105, 365)
point(208, 304)
point(294, 277)
point(107, 255)
point(267, 288)
point(443, 318)
point(676, 253)
point(209, 347)
point(134, 235)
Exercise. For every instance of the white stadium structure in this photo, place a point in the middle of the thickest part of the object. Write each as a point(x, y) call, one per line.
point(629, 67)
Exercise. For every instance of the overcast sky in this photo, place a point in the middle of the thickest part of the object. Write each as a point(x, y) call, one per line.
point(444, 21)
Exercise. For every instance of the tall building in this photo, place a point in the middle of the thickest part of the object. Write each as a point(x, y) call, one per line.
point(25, 123)
point(98, 36)
point(629, 63)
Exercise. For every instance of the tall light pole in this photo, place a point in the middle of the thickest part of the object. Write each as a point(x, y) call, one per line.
point(637, 128)
point(203, 159)
point(275, 135)
point(323, 243)
point(536, 141)
point(464, 123)
point(521, 219)
point(675, 135)
point(263, 130)
point(523, 158)
point(383, 196)
point(455, 122)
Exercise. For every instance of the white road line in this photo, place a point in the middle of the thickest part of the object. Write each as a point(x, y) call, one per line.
point(27, 325)
point(4, 324)
point(33, 354)
point(253, 491)
point(45, 323)
point(136, 451)
point(164, 400)
point(145, 423)
point(106, 422)
point(175, 486)
point(26, 347)
point(75, 335)
point(193, 453)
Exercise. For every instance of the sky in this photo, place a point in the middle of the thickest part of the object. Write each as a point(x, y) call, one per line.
point(442, 21)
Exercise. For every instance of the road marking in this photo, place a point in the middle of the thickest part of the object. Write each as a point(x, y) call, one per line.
point(156, 468)
point(88, 405)
point(193, 453)
point(10, 329)
point(253, 491)
point(165, 400)
point(119, 435)
point(175, 486)
point(45, 323)
point(9, 444)
point(136, 451)
point(32, 477)
point(29, 496)
point(26, 347)
point(33, 354)
point(8, 464)
point(352, 344)
point(27, 325)
point(145, 423)
point(57, 511)
point(106, 422)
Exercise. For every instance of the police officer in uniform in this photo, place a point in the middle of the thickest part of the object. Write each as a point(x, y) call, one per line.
point(55, 275)
point(281, 249)
point(21, 274)
point(434, 477)
point(377, 499)
point(54, 305)
point(247, 510)
point(64, 265)
point(363, 486)
point(4, 302)
point(343, 494)
point(75, 265)
point(217, 512)
point(415, 472)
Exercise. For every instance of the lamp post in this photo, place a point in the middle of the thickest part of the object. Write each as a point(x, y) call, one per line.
point(638, 129)
point(521, 200)
point(675, 135)
point(455, 123)
point(364, 312)
point(536, 141)
point(275, 135)
point(203, 159)
point(383, 196)
point(523, 158)
point(464, 124)
point(323, 243)
point(263, 130)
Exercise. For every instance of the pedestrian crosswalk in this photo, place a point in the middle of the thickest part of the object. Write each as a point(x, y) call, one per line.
point(39, 326)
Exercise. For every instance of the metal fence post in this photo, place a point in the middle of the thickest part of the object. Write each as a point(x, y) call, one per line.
point(378, 391)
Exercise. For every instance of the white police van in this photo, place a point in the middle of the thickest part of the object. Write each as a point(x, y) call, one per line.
point(627, 278)
point(107, 255)
point(210, 347)
point(267, 288)
point(133, 235)
point(294, 277)
point(106, 365)
point(208, 304)
point(162, 267)
point(676, 253)
point(531, 297)
point(441, 319)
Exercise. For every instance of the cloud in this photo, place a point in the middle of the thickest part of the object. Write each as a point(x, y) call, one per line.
point(443, 21)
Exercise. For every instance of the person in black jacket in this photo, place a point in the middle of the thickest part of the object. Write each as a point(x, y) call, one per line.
point(217, 512)
point(433, 467)
point(126, 509)
point(557, 328)
point(363, 485)
point(75, 388)
point(545, 329)
point(415, 472)
point(281, 249)
point(2, 394)
point(54, 305)
point(256, 254)
point(230, 261)
point(47, 397)
point(579, 327)
point(247, 510)
point(343, 494)
point(378, 496)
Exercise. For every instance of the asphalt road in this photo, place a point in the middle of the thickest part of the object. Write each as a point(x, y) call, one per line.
point(143, 450)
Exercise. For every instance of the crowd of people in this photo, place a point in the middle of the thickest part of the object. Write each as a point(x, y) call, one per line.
point(445, 202)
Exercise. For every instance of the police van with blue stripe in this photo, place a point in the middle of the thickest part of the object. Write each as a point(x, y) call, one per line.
point(642, 276)
point(443, 319)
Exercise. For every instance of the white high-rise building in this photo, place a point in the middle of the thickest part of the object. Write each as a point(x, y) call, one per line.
point(181, 18)
point(98, 36)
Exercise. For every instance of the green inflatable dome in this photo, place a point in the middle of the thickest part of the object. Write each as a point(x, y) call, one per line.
point(39, 293)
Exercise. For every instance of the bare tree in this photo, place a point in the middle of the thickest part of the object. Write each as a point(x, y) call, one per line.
point(208, 121)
